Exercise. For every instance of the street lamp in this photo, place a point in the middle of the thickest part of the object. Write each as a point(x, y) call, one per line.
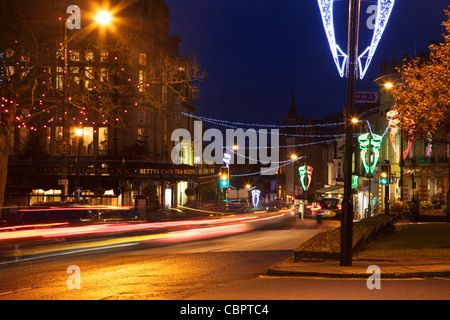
point(388, 85)
point(103, 17)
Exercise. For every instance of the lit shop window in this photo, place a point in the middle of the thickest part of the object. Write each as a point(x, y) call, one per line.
point(102, 140)
point(86, 139)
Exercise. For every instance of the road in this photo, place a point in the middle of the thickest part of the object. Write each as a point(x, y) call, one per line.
point(227, 268)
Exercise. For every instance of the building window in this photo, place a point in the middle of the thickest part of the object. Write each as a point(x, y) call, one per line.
point(141, 133)
point(103, 74)
point(59, 133)
point(102, 140)
point(89, 75)
point(104, 55)
point(141, 117)
point(10, 70)
point(59, 78)
point(74, 55)
point(74, 73)
point(89, 55)
point(428, 147)
point(86, 140)
point(142, 59)
point(141, 80)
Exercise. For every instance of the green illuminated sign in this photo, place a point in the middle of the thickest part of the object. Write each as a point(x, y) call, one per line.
point(355, 182)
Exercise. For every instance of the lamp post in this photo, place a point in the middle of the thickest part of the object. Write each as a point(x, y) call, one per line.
point(65, 135)
point(79, 132)
point(347, 205)
point(101, 18)
point(104, 19)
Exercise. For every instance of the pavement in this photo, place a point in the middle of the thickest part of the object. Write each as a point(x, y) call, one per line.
point(401, 267)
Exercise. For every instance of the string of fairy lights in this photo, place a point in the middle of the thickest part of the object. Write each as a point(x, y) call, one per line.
point(337, 137)
point(90, 106)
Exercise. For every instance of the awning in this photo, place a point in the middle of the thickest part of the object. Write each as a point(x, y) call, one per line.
point(332, 189)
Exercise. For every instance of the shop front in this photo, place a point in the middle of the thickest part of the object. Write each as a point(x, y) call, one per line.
point(104, 182)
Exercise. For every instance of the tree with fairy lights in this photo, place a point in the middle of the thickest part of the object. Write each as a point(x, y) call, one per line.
point(423, 96)
point(48, 75)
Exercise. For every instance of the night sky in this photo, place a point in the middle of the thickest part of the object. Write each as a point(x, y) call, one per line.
point(256, 52)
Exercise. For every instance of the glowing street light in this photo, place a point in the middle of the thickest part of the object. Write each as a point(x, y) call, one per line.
point(103, 17)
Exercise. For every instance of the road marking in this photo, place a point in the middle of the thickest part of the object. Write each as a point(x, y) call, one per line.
point(267, 276)
point(14, 291)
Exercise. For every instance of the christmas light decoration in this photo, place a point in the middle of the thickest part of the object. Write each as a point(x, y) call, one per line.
point(384, 9)
point(305, 176)
point(340, 57)
point(394, 121)
point(261, 125)
point(370, 141)
point(262, 171)
point(255, 197)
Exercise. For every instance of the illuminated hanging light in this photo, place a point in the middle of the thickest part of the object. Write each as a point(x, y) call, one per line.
point(305, 176)
point(394, 121)
point(384, 9)
point(339, 56)
point(372, 141)
point(255, 197)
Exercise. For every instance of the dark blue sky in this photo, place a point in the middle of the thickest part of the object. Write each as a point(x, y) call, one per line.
point(255, 51)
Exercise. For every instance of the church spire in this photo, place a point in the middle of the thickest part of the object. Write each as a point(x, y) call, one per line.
point(292, 108)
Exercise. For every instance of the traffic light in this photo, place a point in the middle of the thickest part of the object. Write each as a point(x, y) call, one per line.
point(385, 174)
point(224, 177)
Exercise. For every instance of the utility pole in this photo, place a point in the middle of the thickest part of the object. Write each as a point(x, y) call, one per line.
point(347, 205)
point(65, 132)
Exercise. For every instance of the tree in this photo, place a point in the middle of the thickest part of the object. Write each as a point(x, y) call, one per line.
point(424, 93)
point(47, 76)
point(423, 96)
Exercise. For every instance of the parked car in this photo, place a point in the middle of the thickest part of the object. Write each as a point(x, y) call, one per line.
point(277, 205)
point(330, 208)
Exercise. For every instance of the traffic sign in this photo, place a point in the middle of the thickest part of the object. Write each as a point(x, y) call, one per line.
point(78, 192)
point(366, 97)
point(191, 183)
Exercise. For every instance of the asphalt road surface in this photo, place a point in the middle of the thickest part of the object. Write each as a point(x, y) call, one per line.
point(228, 268)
